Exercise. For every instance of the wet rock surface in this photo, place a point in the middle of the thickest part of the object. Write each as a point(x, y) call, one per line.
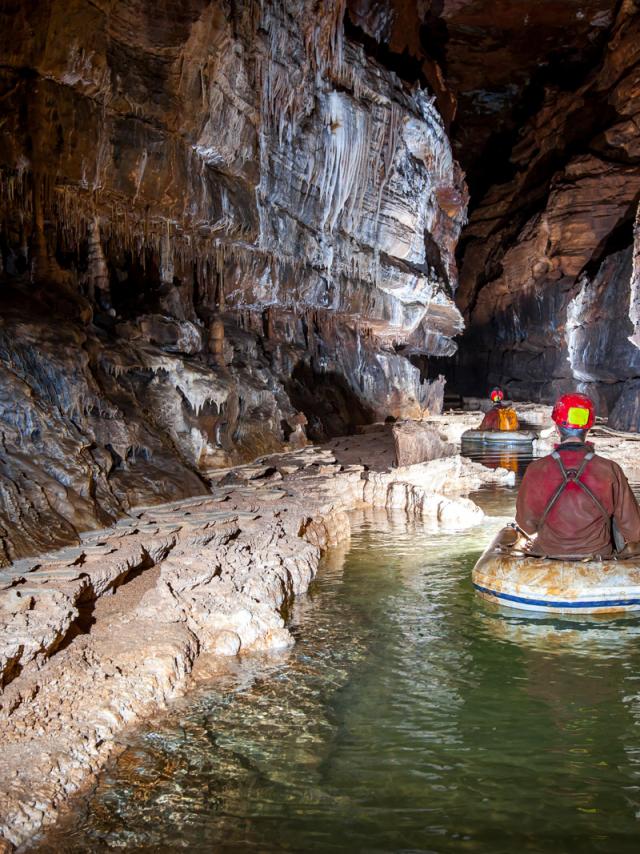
point(227, 160)
point(548, 277)
point(100, 634)
point(222, 231)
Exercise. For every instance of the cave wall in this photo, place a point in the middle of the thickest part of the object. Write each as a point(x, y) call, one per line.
point(221, 224)
point(549, 270)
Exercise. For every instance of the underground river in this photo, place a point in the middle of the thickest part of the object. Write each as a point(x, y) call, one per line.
point(410, 716)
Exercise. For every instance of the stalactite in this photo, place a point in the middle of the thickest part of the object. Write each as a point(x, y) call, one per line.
point(634, 289)
point(99, 289)
point(324, 35)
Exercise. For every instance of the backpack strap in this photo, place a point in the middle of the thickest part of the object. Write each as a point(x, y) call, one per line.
point(573, 476)
point(556, 456)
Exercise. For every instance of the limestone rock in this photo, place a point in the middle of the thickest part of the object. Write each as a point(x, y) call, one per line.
point(295, 187)
point(547, 278)
point(417, 442)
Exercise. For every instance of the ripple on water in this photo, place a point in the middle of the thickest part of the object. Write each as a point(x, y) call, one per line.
point(410, 716)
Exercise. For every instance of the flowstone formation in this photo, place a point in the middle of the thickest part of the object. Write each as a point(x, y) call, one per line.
point(97, 636)
point(549, 275)
point(224, 227)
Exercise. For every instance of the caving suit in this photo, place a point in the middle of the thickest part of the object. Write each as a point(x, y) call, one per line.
point(500, 417)
point(570, 500)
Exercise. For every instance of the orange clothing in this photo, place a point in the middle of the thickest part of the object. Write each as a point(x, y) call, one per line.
point(576, 526)
point(500, 417)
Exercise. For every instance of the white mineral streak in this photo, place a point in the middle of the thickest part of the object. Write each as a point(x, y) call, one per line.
point(634, 296)
point(577, 313)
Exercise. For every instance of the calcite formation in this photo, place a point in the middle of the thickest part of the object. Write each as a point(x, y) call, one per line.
point(98, 635)
point(232, 227)
point(549, 271)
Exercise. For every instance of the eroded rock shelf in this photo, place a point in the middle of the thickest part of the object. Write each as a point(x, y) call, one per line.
point(98, 635)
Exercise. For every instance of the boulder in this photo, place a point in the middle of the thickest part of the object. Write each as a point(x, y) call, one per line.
point(416, 442)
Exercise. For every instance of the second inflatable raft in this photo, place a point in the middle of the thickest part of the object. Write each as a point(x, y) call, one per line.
point(499, 437)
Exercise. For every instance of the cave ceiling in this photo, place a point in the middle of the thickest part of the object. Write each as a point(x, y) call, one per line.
point(493, 57)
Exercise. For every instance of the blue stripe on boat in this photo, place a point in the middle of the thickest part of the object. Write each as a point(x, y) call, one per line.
point(550, 603)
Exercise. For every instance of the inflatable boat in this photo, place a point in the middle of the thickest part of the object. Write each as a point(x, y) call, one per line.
point(510, 577)
point(499, 437)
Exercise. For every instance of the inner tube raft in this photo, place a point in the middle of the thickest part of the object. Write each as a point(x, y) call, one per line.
point(499, 437)
point(509, 577)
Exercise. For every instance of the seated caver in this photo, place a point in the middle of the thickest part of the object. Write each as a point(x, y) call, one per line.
point(577, 503)
point(500, 416)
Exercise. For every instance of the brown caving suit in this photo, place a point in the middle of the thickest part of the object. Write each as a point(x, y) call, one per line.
point(577, 524)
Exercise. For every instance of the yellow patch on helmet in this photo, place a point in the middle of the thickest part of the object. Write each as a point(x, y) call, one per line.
point(578, 416)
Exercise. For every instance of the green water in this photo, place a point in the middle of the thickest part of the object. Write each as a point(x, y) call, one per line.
point(409, 717)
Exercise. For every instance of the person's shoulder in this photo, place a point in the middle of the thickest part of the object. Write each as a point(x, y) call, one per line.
point(539, 464)
point(605, 462)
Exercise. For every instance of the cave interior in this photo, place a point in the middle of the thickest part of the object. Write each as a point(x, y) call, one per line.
point(228, 228)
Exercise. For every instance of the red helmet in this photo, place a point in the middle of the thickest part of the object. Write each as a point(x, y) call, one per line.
point(575, 411)
point(496, 394)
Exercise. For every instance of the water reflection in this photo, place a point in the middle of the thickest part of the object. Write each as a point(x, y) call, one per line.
point(514, 459)
point(603, 636)
point(410, 716)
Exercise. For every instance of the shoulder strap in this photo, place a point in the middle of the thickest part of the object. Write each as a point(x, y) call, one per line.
point(574, 476)
point(556, 456)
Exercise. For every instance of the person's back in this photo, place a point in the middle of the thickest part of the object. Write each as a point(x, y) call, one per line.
point(571, 497)
point(500, 416)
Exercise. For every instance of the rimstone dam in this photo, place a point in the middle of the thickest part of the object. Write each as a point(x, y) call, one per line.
point(261, 264)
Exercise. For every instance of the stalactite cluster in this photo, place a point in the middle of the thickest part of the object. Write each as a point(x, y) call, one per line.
point(224, 209)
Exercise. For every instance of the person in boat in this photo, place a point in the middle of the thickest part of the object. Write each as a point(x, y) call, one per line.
point(577, 503)
point(500, 416)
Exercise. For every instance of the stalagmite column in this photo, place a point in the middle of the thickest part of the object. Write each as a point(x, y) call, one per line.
point(216, 341)
point(216, 328)
point(167, 268)
point(43, 267)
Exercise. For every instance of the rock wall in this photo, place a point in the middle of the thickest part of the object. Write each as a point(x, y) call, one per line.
point(218, 221)
point(548, 276)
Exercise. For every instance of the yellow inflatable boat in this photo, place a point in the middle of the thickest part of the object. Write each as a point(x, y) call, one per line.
point(510, 577)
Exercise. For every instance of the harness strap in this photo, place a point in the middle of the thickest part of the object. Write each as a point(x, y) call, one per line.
point(573, 476)
point(595, 499)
